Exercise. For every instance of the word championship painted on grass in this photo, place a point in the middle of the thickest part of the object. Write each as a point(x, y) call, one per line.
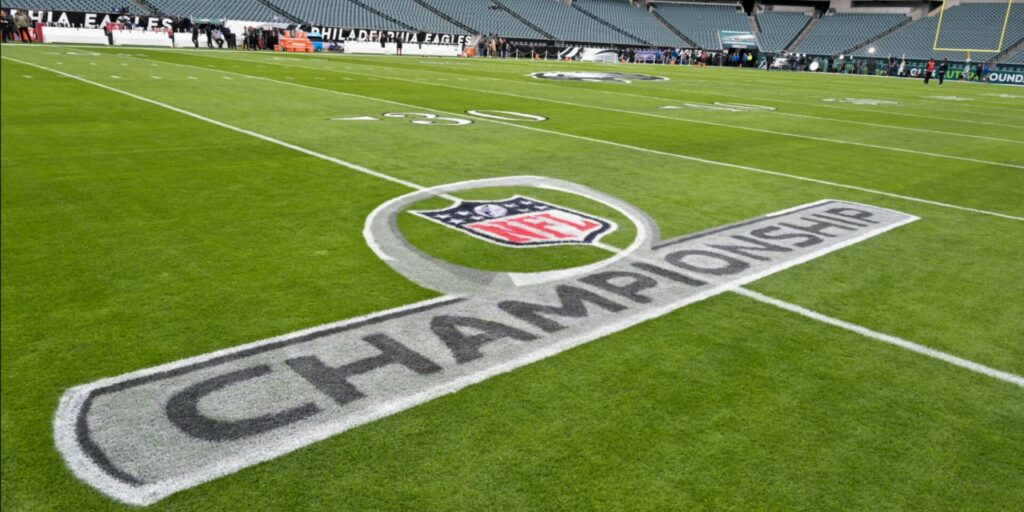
point(142, 436)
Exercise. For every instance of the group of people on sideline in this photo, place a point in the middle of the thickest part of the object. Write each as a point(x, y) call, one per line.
point(16, 26)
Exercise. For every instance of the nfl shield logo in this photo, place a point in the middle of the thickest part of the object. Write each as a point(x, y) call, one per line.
point(521, 222)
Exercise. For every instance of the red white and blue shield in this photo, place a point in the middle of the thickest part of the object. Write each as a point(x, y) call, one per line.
point(521, 222)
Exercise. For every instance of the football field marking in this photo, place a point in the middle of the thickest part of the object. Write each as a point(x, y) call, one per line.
point(885, 338)
point(677, 80)
point(549, 132)
point(788, 114)
point(722, 125)
point(227, 469)
point(671, 118)
point(1007, 377)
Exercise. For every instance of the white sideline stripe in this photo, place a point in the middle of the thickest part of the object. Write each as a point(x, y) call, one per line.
point(550, 132)
point(885, 338)
point(634, 148)
point(250, 133)
point(677, 119)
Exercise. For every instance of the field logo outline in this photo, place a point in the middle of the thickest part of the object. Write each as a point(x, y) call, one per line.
point(147, 434)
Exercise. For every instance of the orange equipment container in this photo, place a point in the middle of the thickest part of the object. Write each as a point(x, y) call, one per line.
point(295, 42)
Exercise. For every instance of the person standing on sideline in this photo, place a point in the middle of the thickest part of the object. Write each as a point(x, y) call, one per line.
point(8, 24)
point(928, 70)
point(23, 24)
point(942, 70)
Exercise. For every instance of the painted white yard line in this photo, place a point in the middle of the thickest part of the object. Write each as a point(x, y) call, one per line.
point(637, 148)
point(683, 119)
point(886, 338)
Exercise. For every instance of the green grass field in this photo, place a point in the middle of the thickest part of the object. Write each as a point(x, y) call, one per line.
point(160, 205)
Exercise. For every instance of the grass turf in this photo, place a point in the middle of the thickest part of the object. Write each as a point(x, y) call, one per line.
point(134, 236)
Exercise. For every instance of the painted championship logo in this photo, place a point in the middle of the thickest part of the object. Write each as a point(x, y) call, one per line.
point(521, 222)
point(595, 76)
point(144, 435)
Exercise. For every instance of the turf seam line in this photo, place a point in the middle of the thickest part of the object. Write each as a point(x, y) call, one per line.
point(885, 338)
point(541, 130)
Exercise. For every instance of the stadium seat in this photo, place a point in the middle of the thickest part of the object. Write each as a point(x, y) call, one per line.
point(414, 14)
point(779, 29)
point(839, 32)
point(484, 18)
point(1017, 58)
point(632, 19)
point(702, 22)
point(967, 26)
point(337, 13)
point(248, 10)
point(566, 23)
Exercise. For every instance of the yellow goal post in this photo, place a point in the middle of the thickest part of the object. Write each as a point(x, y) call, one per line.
point(1002, 33)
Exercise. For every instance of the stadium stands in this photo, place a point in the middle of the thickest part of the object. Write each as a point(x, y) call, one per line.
point(968, 26)
point(779, 29)
point(336, 13)
point(634, 20)
point(485, 18)
point(839, 32)
point(566, 23)
point(77, 5)
point(249, 10)
point(701, 22)
point(414, 14)
point(1017, 58)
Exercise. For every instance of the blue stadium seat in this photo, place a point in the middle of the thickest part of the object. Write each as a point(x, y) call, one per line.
point(839, 32)
point(566, 23)
point(702, 22)
point(632, 19)
point(779, 29)
point(337, 13)
point(484, 17)
point(973, 26)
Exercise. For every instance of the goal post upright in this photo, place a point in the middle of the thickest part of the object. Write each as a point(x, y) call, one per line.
point(1002, 33)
